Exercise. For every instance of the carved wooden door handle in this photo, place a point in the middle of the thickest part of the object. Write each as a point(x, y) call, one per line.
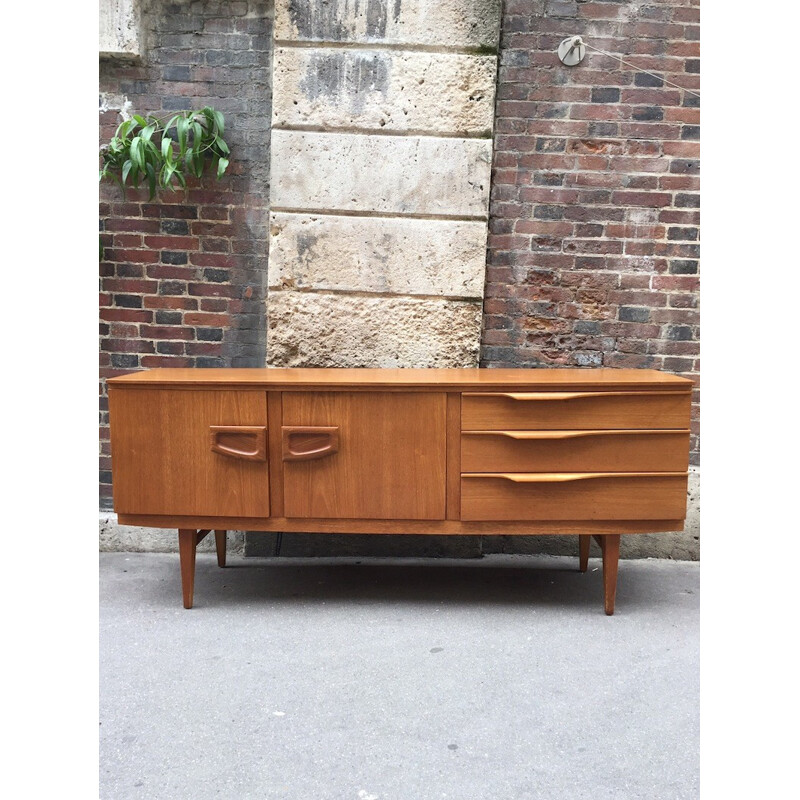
point(247, 442)
point(304, 443)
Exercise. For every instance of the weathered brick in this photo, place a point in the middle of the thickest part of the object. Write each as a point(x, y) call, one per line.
point(644, 79)
point(648, 113)
point(609, 94)
point(179, 227)
point(633, 314)
point(679, 333)
point(679, 266)
point(687, 200)
point(174, 257)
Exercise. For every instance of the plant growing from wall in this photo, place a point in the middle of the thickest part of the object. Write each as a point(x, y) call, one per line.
point(164, 155)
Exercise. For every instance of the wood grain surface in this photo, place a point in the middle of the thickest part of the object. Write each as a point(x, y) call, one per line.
point(391, 458)
point(415, 527)
point(575, 451)
point(595, 411)
point(162, 459)
point(399, 379)
point(605, 497)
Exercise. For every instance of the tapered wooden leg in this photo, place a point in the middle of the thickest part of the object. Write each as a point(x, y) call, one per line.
point(187, 546)
point(222, 542)
point(583, 543)
point(610, 566)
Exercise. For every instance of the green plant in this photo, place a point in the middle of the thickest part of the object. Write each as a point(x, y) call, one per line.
point(163, 155)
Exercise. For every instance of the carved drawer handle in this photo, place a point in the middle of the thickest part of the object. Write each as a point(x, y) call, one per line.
point(247, 442)
point(304, 443)
point(565, 477)
point(565, 395)
point(531, 435)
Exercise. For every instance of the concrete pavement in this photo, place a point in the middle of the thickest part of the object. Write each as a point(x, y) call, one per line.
point(402, 679)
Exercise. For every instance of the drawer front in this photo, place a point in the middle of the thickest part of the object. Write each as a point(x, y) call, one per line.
point(575, 411)
point(577, 496)
point(575, 451)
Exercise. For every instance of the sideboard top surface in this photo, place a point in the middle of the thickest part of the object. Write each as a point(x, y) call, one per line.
point(456, 379)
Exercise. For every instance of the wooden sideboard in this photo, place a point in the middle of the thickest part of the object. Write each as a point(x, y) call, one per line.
point(435, 451)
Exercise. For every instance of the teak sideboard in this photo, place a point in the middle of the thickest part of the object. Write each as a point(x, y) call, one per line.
point(593, 452)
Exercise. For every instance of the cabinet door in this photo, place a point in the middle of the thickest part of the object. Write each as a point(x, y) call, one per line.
point(384, 458)
point(187, 452)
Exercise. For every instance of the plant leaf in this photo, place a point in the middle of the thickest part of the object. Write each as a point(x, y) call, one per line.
point(166, 148)
point(137, 152)
point(151, 179)
point(183, 130)
point(126, 168)
point(222, 165)
point(220, 120)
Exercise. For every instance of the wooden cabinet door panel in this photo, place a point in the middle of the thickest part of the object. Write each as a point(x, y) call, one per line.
point(390, 459)
point(169, 455)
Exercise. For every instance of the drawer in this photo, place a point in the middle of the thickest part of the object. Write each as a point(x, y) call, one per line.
point(575, 410)
point(575, 451)
point(573, 496)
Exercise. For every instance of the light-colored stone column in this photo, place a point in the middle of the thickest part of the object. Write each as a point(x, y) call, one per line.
point(120, 21)
point(380, 172)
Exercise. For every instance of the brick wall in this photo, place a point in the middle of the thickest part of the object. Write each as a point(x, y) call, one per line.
point(183, 278)
point(593, 246)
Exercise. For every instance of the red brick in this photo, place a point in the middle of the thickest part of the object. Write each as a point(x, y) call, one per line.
point(134, 256)
point(208, 320)
point(220, 260)
point(126, 314)
point(646, 199)
point(126, 346)
point(171, 302)
point(166, 332)
point(134, 224)
point(154, 362)
point(130, 285)
point(171, 242)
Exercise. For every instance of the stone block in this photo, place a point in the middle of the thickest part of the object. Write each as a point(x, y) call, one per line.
point(381, 255)
point(308, 329)
point(448, 23)
point(385, 174)
point(384, 90)
point(119, 28)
